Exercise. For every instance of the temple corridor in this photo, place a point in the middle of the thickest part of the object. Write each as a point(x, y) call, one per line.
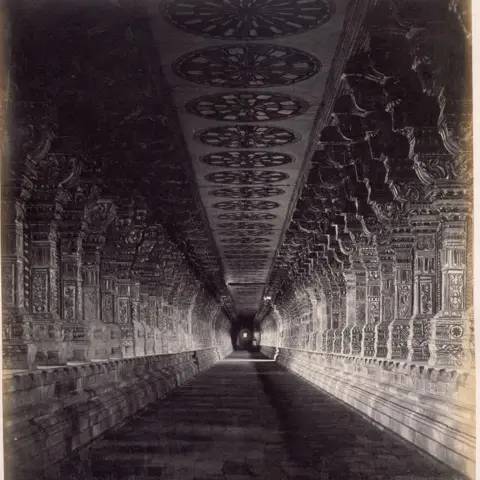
point(184, 181)
point(245, 419)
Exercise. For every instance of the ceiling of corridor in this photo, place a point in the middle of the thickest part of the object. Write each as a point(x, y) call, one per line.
point(247, 78)
point(210, 108)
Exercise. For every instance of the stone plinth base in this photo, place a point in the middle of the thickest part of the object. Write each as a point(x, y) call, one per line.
point(51, 413)
point(432, 408)
point(19, 356)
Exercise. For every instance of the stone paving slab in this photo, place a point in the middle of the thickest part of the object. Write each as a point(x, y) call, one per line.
point(246, 420)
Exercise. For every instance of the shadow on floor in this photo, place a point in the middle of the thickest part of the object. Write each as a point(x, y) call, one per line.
point(336, 440)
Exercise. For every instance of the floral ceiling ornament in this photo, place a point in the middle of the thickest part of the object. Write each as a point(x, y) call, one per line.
point(247, 136)
point(247, 106)
point(248, 19)
point(246, 159)
point(246, 66)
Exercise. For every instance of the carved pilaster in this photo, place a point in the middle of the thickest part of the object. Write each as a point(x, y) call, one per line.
point(44, 269)
point(399, 329)
point(350, 312)
point(124, 316)
point(336, 319)
point(387, 282)
point(138, 327)
point(109, 308)
point(449, 342)
point(145, 320)
point(424, 286)
point(373, 304)
point(18, 347)
point(71, 305)
point(153, 307)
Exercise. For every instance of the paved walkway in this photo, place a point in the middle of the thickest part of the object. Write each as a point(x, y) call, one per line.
point(251, 419)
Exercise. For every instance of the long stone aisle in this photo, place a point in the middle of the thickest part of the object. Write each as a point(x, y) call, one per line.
point(245, 419)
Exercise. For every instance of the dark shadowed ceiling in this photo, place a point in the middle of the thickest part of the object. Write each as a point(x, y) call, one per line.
point(209, 109)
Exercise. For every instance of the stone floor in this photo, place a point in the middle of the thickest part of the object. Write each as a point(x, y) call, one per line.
point(251, 419)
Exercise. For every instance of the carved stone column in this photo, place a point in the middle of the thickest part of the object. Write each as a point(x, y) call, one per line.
point(360, 308)
point(314, 320)
point(138, 327)
point(109, 309)
point(399, 329)
point(189, 319)
point(425, 286)
point(350, 312)
point(44, 215)
point(73, 233)
point(449, 342)
point(373, 304)
point(27, 143)
point(387, 279)
point(19, 350)
point(339, 317)
point(99, 216)
point(124, 316)
point(327, 339)
point(71, 288)
point(157, 335)
point(145, 319)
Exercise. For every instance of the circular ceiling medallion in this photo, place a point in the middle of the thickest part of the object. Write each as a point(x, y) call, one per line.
point(246, 136)
point(247, 216)
point(246, 177)
point(247, 205)
point(245, 240)
point(247, 226)
point(247, 66)
point(247, 192)
point(247, 251)
point(246, 159)
point(249, 19)
point(246, 233)
point(247, 106)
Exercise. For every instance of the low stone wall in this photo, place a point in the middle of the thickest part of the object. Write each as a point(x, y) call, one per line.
point(224, 350)
point(432, 408)
point(268, 351)
point(51, 413)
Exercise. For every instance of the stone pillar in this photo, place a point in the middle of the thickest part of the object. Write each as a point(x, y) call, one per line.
point(44, 217)
point(424, 286)
point(27, 143)
point(71, 288)
point(145, 320)
point(327, 335)
point(99, 216)
point(190, 321)
point(91, 302)
point(311, 344)
point(157, 334)
point(109, 309)
point(350, 312)
point(360, 309)
point(399, 329)
point(278, 318)
point(373, 304)
point(450, 337)
point(387, 291)
point(338, 317)
point(19, 350)
point(138, 326)
point(124, 316)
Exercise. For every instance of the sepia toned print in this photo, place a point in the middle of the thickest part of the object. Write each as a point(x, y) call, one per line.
point(237, 240)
